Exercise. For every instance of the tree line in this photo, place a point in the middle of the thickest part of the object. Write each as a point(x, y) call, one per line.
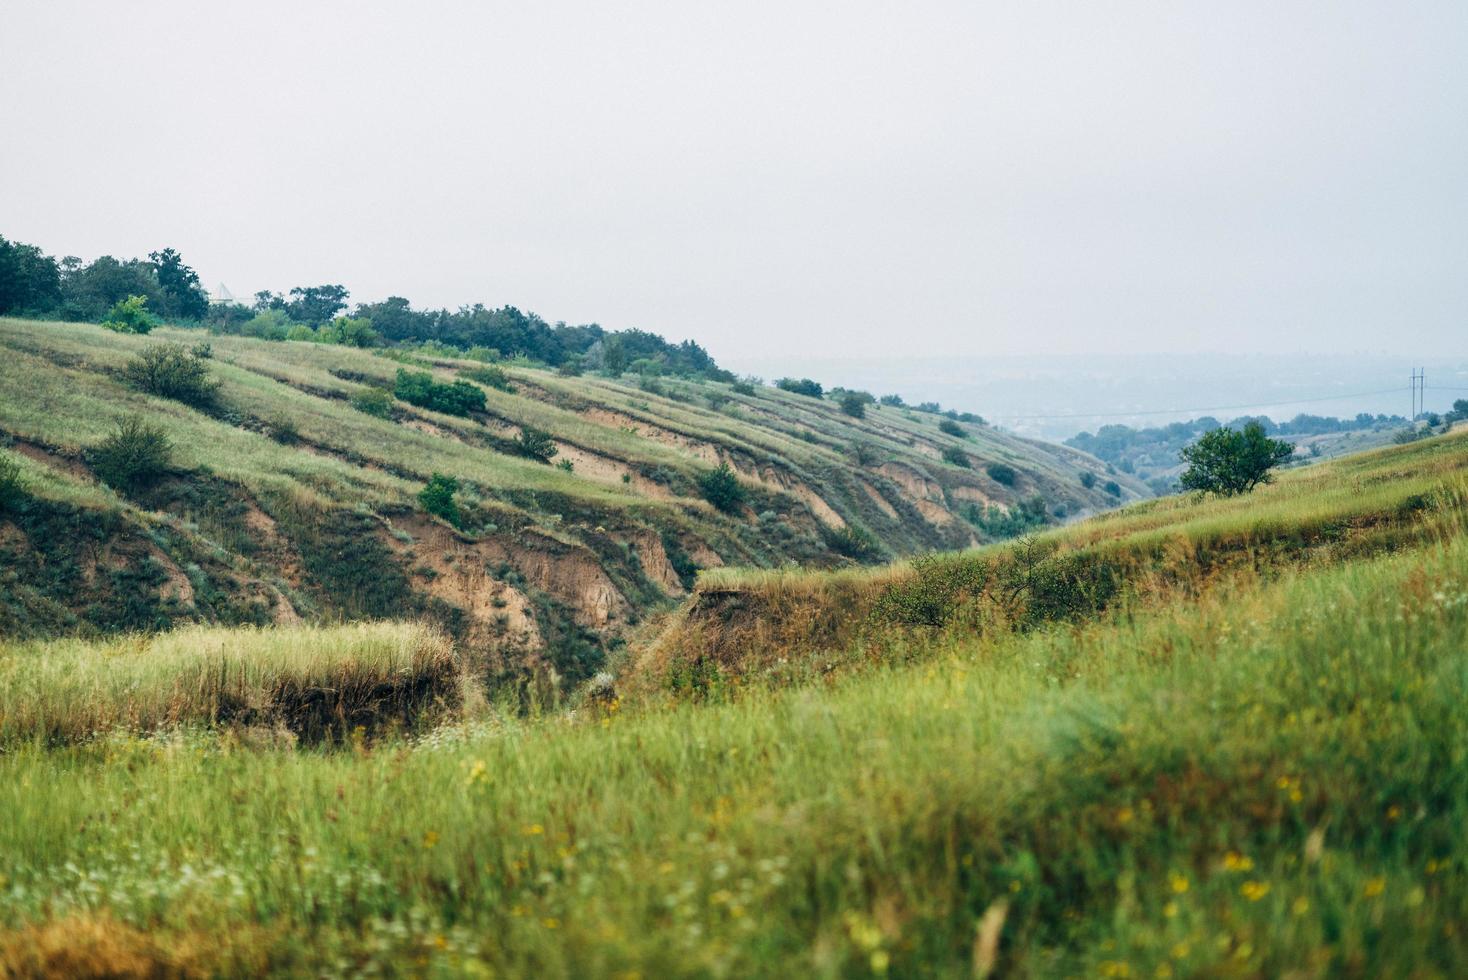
point(35, 284)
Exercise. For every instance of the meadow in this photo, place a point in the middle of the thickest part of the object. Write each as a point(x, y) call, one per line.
point(1256, 769)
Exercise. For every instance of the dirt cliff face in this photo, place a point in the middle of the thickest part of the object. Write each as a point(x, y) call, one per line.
point(287, 501)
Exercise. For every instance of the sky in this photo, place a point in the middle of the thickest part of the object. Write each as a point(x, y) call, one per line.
point(799, 180)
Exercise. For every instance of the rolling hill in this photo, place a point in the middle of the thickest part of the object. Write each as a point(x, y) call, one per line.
point(293, 494)
point(1186, 738)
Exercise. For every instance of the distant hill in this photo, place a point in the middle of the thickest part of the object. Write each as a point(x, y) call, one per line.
point(295, 494)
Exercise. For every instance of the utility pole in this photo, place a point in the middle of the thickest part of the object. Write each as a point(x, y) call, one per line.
point(1419, 392)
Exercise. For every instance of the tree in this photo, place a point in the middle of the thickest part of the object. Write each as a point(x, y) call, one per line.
point(182, 295)
point(130, 316)
point(30, 281)
point(721, 487)
point(1002, 473)
point(315, 305)
point(1088, 479)
point(1231, 461)
point(614, 357)
point(89, 291)
point(800, 386)
point(853, 403)
point(957, 457)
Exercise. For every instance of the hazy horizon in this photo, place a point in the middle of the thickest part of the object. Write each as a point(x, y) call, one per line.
point(942, 179)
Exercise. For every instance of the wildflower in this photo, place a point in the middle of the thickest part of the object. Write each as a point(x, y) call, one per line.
point(1374, 887)
point(430, 838)
point(1124, 815)
point(1181, 951)
point(1433, 866)
point(532, 830)
point(1179, 884)
point(1393, 813)
point(478, 773)
point(880, 960)
point(1170, 910)
point(551, 923)
point(1234, 861)
point(1163, 971)
point(1300, 905)
point(1254, 890)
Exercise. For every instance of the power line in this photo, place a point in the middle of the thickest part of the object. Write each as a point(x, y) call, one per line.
point(1213, 408)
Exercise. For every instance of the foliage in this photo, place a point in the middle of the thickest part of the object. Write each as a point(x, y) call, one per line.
point(373, 401)
point(998, 523)
point(800, 386)
point(864, 453)
point(491, 376)
point(13, 486)
point(172, 371)
point(1088, 479)
point(30, 280)
point(895, 401)
point(854, 403)
point(852, 541)
point(437, 498)
point(952, 428)
point(568, 466)
point(1002, 473)
point(183, 296)
point(957, 457)
point(742, 386)
point(350, 332)
point(1228, 461)
point(721, 487)
point(456, 398)
point(135, 455)
point(572, 367)
point(130, 315)
point(283, 429)
point(1112, 487)
point(536, 444)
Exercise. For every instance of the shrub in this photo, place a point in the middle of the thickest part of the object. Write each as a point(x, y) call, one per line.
point(282, 428)
point(952, 428)
point(172, 371)
point(1113, 488)
point(800, 386)
point(135, 455)
point(1002, 473)
point(1088, 479)
point(419, 388)
point(572, 367)
point(894, 401)
point(490, 376)
point(865, 454)
point(742, 387)
point(997, 523)
point(1227, 461)
point(535, 444)
point(437, 498)
point(956, 456)
point(130, 316)
point(854, 542)
point(721, 487)
point(853, 403)
point(568, 466)
point(202, 350)
point(373, 401)
point(12, 483)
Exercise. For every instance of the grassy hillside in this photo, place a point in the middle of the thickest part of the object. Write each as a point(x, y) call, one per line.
point(288, 502)
point(1221, 738)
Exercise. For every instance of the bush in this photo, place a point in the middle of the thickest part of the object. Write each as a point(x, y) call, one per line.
point(172, 371)
point(490, 376)
point(952, 428)
point(1113, 488)
point(865, 454)
point(853, 403)
point(997, 523)
point(535, 444)
point(130, 316)
point(373, 401)
point(419, 388)
point(437, 498)
point(133, 456)
point(895, 401)
point(572, 367)
point(742, 387)
point(1228, 461)
point(12, 484)
point(854, 542)
point(568, 466)
point(282, 428)
point(800, 386)
point(1088, 479)
point(721, 487)
point(956, 456)
point(1002, 473)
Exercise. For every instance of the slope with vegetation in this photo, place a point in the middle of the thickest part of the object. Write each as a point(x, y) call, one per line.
point(179, 476)
point(1218, 736)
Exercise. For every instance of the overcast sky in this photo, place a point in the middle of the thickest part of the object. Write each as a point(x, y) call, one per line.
point(816, 179)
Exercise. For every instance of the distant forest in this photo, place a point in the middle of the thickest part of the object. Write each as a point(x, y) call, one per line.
point(35, 284)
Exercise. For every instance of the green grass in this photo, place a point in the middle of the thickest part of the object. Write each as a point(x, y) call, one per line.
point(71, 690)
point(1262, 774)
